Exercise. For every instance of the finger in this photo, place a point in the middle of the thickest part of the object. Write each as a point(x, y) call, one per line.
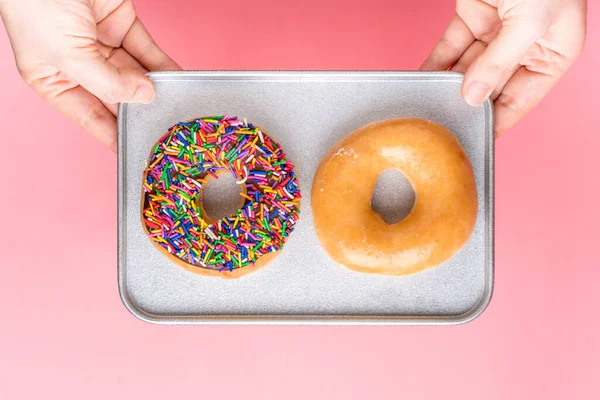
point(456, 39)
point(469, 56)
point(505, 79)
point(87, 111)
point(474, 51)
point(102, 9)
point(114, 26)
point(520, 95)
point(104, 49)
point(113, 108)
point(122, 59)
point(143, 48)
point(481, 18)
point(105, 81)
point(501, 56)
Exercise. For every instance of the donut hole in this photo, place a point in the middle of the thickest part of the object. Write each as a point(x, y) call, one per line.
point(221, 197)
point(393, 197)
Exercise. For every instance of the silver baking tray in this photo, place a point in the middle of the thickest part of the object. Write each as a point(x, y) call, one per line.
point(307, 112)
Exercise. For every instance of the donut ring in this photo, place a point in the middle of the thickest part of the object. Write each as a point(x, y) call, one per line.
point(173, 215)
point(442, 218)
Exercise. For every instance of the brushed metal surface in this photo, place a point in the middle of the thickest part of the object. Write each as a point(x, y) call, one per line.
point(307, 112)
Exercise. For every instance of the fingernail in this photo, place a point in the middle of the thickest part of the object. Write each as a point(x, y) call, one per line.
point(144, 94)
point(476, 93)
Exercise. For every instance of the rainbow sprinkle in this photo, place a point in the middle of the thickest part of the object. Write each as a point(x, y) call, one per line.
point(179, 166)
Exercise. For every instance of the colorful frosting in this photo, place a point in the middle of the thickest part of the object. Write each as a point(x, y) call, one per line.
point(181, 163)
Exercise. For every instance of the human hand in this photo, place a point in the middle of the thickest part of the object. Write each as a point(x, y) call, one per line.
point(84, 57)
point(512, 50)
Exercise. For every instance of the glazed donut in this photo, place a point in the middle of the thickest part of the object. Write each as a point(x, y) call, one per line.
point(182, 161)
point(443, 215)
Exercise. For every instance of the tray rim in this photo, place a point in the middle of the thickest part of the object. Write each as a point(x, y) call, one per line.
point(293, 319)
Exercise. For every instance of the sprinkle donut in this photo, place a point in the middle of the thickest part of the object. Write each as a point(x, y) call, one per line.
point(182, 161)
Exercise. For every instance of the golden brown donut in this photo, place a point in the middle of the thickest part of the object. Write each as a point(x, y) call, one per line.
point(443, 215)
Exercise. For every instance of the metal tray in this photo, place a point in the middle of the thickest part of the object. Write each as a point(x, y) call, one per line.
point(307, 112)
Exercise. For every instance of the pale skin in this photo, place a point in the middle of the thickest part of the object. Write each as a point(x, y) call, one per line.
point(86, 56)
point(513, 51)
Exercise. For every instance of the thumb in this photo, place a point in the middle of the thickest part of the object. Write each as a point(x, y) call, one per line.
point(500, 58)
point(107, 82)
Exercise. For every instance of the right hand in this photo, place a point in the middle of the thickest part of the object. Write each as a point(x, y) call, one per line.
point(513, 51)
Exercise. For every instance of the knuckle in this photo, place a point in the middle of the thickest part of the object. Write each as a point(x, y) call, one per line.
point(511, 103)
point(547, 61)
point(501, 68)
point(491, 68)
point(108, 96)
point(89, 118)
point(147, 47)
point(114, 94)
point(117, 92)
point(448, 45)
point(488, 32)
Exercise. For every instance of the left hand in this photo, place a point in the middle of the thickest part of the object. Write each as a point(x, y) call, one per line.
point(84, 57)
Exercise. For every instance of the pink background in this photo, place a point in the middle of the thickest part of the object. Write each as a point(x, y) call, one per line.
point(64, 330)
